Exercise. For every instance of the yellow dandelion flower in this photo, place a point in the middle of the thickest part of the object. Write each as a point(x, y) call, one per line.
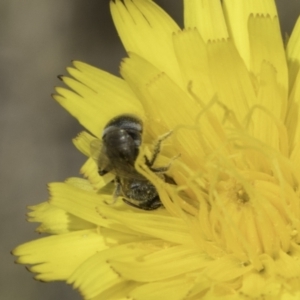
point(230, 227)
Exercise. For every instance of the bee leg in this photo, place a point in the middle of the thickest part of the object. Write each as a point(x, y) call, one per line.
point(156, 150)
point(163, 169)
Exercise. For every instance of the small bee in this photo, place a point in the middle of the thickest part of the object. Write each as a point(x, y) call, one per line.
point(121, 140)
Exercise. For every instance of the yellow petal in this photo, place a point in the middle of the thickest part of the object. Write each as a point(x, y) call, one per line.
point(161, 265)
point(293, 116)
point(78, 202)
point(176, 289)
point(83, 142)
point(193, 61)
point(141, 76)
point(230, 77)
point(266, 45)
point(57, 257)
point(257, 285)
point(237, 15)
point(154, 28)
point(287, 265)
point(293, 54)
point(226, 269)
point(267, 125)
point(96, 92)
point(90, 171)
point(76, 106)
point(207, 16)
point(119, 291)
point(163, 227)
point(113, 92)
point(55, 220)
point(89, 206)
point(96, 275)
point(290, 296)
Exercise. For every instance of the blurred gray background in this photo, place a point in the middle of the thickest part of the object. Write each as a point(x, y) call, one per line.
point(38, 41)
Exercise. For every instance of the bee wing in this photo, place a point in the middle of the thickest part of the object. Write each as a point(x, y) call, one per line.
point(95, 148)
point(99, 156)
